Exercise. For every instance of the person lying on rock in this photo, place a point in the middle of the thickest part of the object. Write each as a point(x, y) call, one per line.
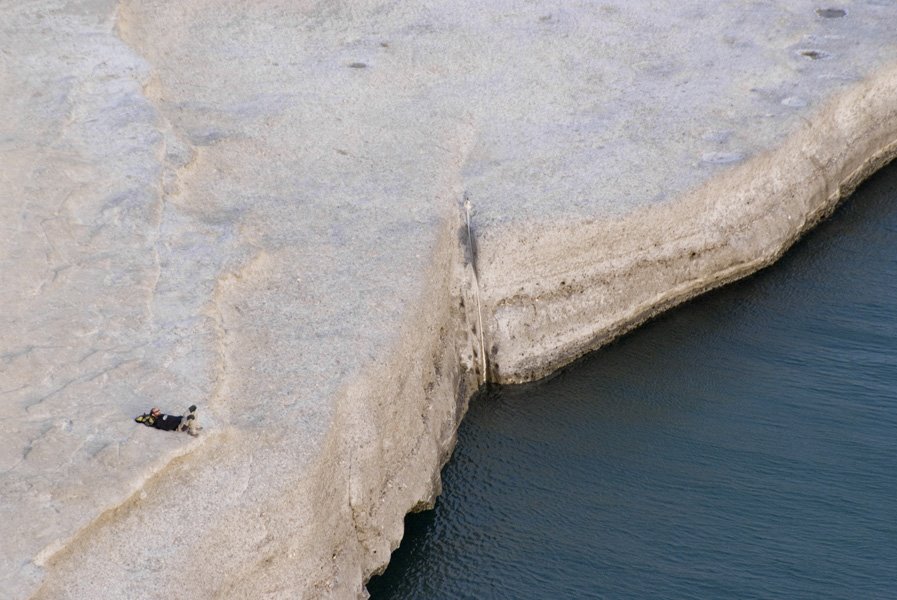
point(157, 419)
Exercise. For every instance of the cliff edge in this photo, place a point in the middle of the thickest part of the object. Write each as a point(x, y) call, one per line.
point(258, 208)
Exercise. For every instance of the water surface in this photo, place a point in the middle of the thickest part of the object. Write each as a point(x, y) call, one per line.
point(741, 446)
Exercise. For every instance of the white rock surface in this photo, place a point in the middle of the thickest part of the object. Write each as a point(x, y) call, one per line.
point(253, 207)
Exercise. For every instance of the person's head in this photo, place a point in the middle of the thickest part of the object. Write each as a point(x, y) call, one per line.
point(155, 412)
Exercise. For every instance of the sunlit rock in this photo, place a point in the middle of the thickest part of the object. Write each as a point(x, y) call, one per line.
point(256, 208)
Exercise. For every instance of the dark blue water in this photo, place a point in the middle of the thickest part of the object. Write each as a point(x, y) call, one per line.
point(741, 446)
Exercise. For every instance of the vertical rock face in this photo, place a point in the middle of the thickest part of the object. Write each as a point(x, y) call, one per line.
point(254, 207)
point(568, 287)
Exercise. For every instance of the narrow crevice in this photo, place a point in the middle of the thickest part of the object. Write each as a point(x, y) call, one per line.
point(469, 252)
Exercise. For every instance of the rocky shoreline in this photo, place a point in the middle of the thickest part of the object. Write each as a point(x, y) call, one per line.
point(587, 283)
point(260, 210)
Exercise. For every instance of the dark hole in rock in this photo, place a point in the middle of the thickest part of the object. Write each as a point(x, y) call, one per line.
point(831, 13)
point(358, 65)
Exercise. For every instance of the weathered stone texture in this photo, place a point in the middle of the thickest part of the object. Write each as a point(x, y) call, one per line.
point(253, 206)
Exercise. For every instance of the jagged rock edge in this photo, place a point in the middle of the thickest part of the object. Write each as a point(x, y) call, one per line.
point(819, 207)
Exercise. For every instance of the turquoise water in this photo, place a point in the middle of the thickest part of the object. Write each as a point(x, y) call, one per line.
point(741, 446)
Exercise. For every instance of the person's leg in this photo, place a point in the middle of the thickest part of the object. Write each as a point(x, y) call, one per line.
point(189, 422)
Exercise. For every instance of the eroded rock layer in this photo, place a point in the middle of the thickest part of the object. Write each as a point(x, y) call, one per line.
point(257, 207)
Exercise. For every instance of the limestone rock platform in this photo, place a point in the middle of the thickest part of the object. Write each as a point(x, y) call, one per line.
point(258, 207)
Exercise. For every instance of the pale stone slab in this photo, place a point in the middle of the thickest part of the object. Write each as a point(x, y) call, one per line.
point(253, 207)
